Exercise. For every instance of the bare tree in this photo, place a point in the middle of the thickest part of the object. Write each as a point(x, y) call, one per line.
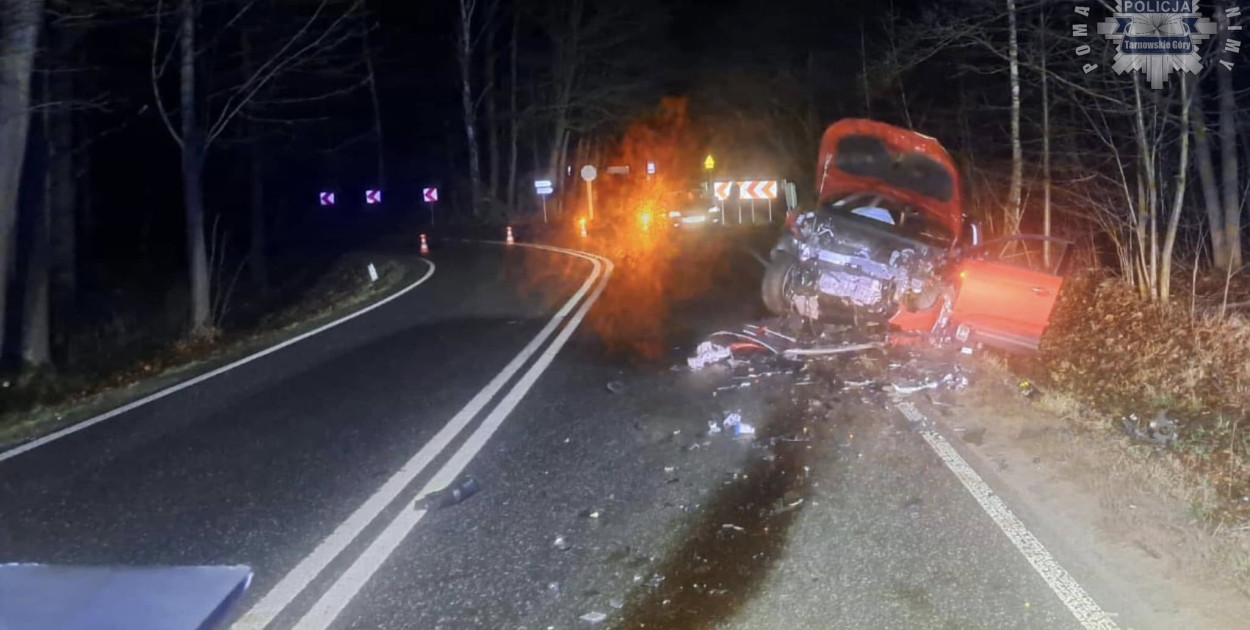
point(1206, 179)
point(1046, 174)
point(376, 105)
point(489, 92)
point(19, 33)
point(1182, 177)
point(1228, 157)
point(51, 239)
point(514, 117)
point(196, 131)
point(1014, 209)
point(465, 44)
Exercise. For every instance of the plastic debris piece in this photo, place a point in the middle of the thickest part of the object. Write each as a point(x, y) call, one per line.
point(594, 617)
point(1163, 429)
point(708, 353)
point(616, 387)
point(743, 429)
point(458, 493)
point(616, 603)
point(828, 350)
point(712, 427)
point(561, 544)
point(911, 389)
point(1028, 389)
point(736, 528)
point(733, 419)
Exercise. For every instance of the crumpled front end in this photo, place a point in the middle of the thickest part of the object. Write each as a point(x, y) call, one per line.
point(851, 272)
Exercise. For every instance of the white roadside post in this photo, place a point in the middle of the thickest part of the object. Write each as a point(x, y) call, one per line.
point(589, 173)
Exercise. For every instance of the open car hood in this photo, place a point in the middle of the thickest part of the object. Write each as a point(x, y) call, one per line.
point(859, 155)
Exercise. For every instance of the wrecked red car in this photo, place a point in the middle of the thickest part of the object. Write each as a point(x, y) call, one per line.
point(889, 245)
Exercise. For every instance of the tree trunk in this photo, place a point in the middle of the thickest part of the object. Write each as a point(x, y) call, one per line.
point(564, 65)
point(36, 325)
point(465, 57)
point(377, 110)
point(514, 118)
point(19, 33)
point(1182, 177)
point(1206, 179)
point(257, 261)
point(193, 149)
point(1017, 151)
point(492, 114)
point(1148, 209)
point(1045, 142)
point(1228, 157)
point(63, 191)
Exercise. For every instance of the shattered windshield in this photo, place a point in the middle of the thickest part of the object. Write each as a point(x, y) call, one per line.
point(901, 219)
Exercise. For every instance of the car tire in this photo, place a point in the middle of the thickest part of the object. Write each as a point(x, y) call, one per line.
point(776, 274)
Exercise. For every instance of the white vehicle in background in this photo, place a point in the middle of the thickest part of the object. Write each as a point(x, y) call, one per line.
point(693, 209)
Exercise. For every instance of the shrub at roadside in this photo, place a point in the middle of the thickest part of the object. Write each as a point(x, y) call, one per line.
point(1111, 349)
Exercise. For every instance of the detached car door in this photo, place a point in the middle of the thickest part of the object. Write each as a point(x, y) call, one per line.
point(1006, 291)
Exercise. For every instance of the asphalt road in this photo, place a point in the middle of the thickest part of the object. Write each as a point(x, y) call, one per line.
point(590, 500)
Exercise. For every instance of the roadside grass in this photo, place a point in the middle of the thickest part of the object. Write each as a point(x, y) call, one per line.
point(1146, 495)
point(39, 402)
point(1106, 355)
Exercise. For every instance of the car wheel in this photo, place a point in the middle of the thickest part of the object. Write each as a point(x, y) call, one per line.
point(777, 275)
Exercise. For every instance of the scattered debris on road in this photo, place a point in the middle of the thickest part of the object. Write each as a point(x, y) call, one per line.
point(594, 617)
point(736, 427)
point(708, 353)
point(466, 487)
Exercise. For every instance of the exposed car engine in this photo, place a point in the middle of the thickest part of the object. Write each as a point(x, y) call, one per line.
point(854, 262)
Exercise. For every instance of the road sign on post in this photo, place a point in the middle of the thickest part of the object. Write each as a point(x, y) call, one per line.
point(430, 197)
point(543, 187)
point(754, 189)
point(589, 173)
point(373, 196)
point(327, 198)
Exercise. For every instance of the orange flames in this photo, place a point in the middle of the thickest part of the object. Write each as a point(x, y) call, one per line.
point(655, 269)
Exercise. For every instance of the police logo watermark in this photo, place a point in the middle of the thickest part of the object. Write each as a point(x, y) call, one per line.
point(1159, 37)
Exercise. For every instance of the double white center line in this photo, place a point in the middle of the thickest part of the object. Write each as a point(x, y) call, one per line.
point(336, 597)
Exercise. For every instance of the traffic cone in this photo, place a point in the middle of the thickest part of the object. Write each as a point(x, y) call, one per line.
point(582, 223)
point(510, 240)
point(425, 246)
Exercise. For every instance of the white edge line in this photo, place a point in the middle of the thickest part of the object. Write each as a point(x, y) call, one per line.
point(339, 595)
point(1087, 612)
point(134, 404)
point(298, 578)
